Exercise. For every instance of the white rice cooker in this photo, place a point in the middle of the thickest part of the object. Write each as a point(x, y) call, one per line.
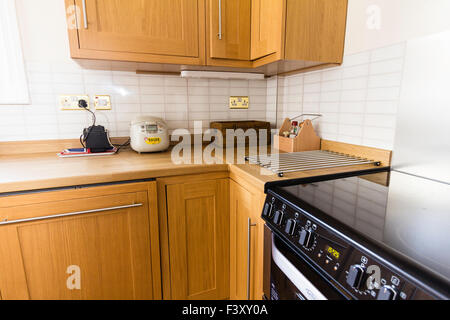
point(149, 134)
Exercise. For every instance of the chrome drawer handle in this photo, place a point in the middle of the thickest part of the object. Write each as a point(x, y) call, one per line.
point(5, 222)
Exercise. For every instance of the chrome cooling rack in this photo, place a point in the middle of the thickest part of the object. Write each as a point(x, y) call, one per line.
point(281, 163)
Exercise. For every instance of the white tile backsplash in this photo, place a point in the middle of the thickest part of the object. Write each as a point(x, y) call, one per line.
point(386, 66)
point(358, 101)
point(357, 59)
point(385, 80)
point(311, 77)
point(354, 72)
point(390, 52)
point(179, 101)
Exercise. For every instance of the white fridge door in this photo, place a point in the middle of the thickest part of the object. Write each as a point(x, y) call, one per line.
point(422, 143)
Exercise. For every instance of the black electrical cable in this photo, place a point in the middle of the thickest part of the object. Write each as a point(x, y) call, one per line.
point(83, 104)
point(120, 146)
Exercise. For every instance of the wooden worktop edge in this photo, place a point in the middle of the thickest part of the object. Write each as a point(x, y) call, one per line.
point(376, 154)
point(93, 179)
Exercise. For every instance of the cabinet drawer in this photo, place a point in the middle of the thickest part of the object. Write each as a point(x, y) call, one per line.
point(74, 207)
point(93, 243)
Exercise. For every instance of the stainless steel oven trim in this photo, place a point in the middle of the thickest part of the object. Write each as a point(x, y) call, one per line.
point(306, 288)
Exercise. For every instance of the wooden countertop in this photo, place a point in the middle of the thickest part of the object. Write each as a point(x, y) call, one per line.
point(47, 170)
point(25, 172)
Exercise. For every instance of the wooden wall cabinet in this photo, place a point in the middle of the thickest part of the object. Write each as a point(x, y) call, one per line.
point(295, 34)
point(246, 243)
point(195, 237)
point(264, 36)
point(110, 234)
point(157, 31)
point(242, 31)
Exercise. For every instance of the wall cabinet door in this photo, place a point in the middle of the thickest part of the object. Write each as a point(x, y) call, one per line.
point(267, 28)
point(158, 27)
point(315, 30)
point(105, 250)
point(246, 243)
point(229, 29)
point(244, 30)
point(198, 232)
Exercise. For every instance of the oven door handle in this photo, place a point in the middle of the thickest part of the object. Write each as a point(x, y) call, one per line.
point(306, 288)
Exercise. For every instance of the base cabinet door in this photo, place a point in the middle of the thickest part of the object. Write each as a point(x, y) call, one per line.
point(198, 237)
point(246, 243)
point(94, 247)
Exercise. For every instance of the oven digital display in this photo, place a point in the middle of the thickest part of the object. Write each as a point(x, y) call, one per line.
point(333, 252)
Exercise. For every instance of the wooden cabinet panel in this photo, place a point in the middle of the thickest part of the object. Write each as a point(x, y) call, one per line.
point(266, 27)
point(115, 251)
point(240, 207)
point(251, 30)
point(245, 211)
point(168, 27)
point(161, 31)
point(198, 232)
point(233, 18)
point(315, 30)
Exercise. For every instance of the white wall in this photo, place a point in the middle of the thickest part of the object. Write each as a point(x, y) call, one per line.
point(400, 20)
point(43, 29)
point(360, 99)
point(51, 72)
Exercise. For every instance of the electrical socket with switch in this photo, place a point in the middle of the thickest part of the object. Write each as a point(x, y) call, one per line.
point(102, 102)
point(239, 102)
point(70, 102)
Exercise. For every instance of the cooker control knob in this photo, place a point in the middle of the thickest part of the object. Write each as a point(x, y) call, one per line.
point(268, 210)
point(387, 293)
point(290, 227)
point(306, 238)
point(278, 217)
point(355, 276)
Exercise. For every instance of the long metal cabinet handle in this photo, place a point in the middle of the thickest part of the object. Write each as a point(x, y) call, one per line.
point(249, 242)
point(5, 222)
point(85, 15)
point(220, 20)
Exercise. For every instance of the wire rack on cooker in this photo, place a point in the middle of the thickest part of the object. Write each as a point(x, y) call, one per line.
point(281, 163)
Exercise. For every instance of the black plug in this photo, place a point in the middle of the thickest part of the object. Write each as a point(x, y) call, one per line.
point(82, 104)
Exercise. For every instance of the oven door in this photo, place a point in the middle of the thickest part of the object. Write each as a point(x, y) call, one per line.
point(288, 277)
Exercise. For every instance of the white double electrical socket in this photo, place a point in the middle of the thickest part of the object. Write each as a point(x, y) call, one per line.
point(70, 102)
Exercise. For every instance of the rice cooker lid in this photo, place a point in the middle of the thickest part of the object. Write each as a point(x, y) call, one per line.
point(144, 119)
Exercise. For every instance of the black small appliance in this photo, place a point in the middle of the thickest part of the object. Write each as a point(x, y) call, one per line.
point(95, 137)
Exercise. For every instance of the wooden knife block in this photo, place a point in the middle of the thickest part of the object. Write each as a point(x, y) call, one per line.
point(306, 140)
